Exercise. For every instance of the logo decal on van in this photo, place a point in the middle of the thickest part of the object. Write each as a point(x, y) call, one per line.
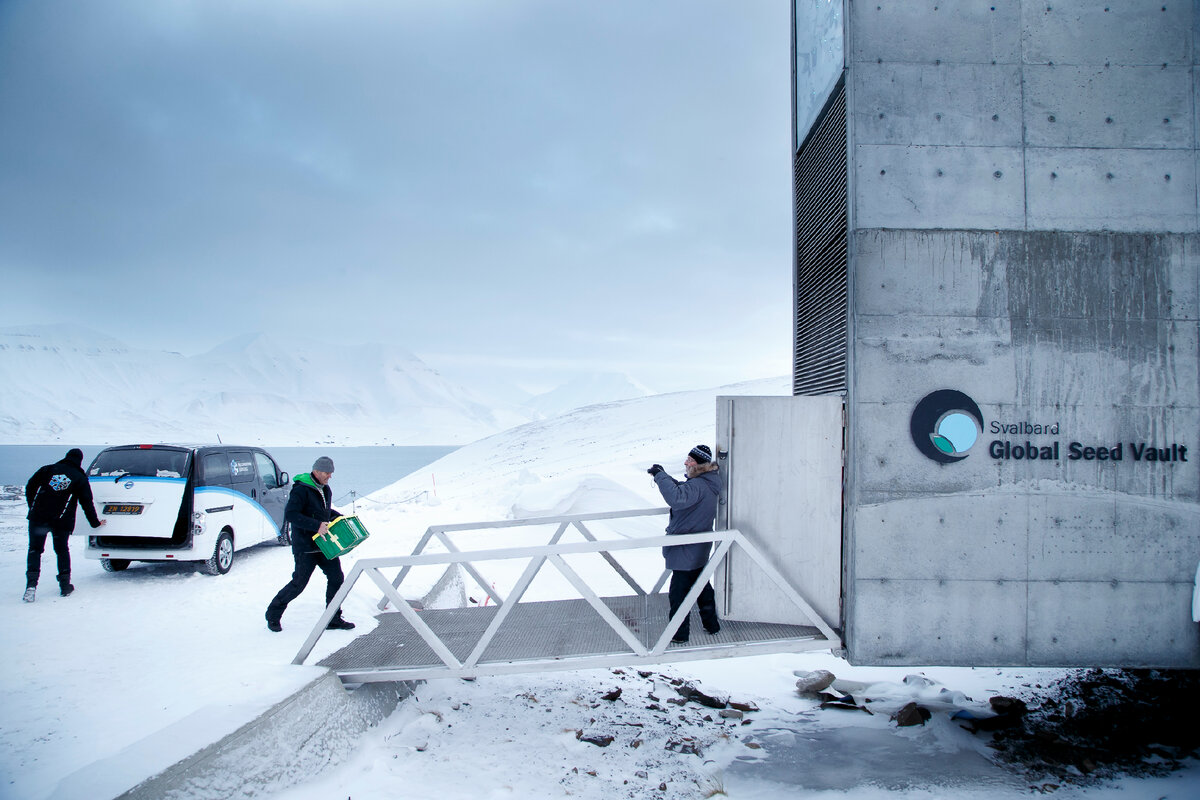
point(945, 424)
point(128, 484)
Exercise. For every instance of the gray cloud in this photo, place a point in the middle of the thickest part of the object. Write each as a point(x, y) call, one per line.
point(465, 178)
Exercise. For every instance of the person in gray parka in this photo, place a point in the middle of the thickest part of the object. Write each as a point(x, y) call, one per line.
point(693, 504)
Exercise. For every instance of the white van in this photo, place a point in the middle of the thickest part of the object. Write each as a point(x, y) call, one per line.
point(176, 502)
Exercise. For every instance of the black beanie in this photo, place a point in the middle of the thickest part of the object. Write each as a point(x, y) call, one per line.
point(75, 456)
point(701, 454)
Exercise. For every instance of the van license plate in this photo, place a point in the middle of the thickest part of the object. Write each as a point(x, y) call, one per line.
point(122, 508)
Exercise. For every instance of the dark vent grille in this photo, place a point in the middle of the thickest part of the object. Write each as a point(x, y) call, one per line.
point(820, 285)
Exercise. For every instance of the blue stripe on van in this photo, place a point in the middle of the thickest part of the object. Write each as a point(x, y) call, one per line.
point(230, 492)
point(136, 478)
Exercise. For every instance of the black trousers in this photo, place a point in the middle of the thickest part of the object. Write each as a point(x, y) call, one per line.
point(682, 581)
point(306, 564)
point(37, 545)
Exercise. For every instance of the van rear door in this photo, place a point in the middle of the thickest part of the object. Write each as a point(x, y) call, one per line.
point(140, 491)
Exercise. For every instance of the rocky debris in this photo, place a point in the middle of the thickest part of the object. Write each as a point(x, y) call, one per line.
point(843, 701)
point(686, 745)
point(690, 692)
point(1092, 725)
point(1100, 723)
point(809, 683)
point(911, 714)
point(625, 723)
point(598, 739)
point(1008, 712)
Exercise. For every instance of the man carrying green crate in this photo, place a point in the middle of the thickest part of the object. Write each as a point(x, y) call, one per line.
point(309, 512)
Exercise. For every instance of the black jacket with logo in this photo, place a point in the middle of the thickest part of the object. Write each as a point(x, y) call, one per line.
point(308, 506)
point(53, 494)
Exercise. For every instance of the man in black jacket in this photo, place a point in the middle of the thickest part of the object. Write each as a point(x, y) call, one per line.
point(53, 494)
point(309, 512)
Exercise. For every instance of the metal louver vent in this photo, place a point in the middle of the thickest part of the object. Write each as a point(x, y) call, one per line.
point(819, 182)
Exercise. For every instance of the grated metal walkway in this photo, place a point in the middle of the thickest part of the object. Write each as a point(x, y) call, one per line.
point(511, 635)
point(560, 634)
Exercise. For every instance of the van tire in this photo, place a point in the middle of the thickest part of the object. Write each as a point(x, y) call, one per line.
point(285, 534)
point(114, 564)
point(221, 561)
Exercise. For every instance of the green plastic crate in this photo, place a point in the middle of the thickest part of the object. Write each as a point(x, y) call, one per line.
point(343, 535)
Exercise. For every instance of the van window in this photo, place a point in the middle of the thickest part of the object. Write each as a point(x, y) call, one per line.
point(267, 470)
point(155, 462)
point(215, 470)
point(241, 467)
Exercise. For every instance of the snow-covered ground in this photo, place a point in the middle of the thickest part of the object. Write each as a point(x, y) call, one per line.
point(140, 668)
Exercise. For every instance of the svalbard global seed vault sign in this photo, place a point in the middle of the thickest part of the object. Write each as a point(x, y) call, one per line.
point(946, 425)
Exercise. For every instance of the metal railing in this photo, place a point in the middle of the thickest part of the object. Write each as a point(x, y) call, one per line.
point(552, 552)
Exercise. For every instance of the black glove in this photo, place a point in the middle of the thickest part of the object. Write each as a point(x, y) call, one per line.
point(657, 468)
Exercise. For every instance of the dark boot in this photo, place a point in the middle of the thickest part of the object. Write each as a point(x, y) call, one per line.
point(65, 589)
point(339, 624)
point(273, 622)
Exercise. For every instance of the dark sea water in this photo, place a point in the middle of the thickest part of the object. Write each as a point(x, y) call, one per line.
point(361, 470)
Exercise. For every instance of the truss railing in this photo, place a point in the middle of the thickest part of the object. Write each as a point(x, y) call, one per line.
point(552, 552)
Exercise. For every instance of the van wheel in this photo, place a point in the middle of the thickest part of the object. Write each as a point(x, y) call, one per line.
point(285, 534)
point(114, 564)
point(221, 561)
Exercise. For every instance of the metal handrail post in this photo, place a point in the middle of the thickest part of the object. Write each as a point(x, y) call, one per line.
point(383, 603)
point(538, 550)
point(330, 609)
point(685, 607)
point(612, 562)
point(594, 601)
point(522, 585)
point(780, 581)
point(470, 568)
point(423, 630)
point(661, 582)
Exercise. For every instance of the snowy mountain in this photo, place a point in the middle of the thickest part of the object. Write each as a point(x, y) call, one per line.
point(586, 390)
point(71, 384)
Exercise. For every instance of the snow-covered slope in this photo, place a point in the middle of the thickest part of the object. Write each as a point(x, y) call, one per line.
point(71, 384)
point(538, 469)
point(585, 390)
point(159, 659)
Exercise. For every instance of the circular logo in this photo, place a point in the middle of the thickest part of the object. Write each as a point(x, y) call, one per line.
point(945, 424)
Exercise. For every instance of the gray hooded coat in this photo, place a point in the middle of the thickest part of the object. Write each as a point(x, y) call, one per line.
point(693, 510)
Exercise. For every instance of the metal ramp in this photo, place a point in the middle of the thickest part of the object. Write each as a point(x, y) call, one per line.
point(585, 631)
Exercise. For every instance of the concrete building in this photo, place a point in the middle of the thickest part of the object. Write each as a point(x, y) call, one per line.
point(998, 269)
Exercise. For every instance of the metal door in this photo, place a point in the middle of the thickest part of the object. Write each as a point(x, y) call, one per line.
point(781, 458)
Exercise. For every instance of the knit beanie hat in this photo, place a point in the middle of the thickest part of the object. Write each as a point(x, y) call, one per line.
point(323, 464)
point(701, 454)
point(75, 456)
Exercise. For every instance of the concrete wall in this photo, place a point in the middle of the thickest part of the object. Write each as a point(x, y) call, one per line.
point(1024, 229)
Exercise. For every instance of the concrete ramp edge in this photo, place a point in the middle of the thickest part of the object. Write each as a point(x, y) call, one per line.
point(295, 740)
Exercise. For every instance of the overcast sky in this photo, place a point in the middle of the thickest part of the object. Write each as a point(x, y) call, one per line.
point(541, 186)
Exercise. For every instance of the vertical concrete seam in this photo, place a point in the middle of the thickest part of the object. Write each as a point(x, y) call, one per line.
point(1021, 61)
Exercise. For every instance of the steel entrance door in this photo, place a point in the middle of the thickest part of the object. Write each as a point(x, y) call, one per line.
point(782, 464)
